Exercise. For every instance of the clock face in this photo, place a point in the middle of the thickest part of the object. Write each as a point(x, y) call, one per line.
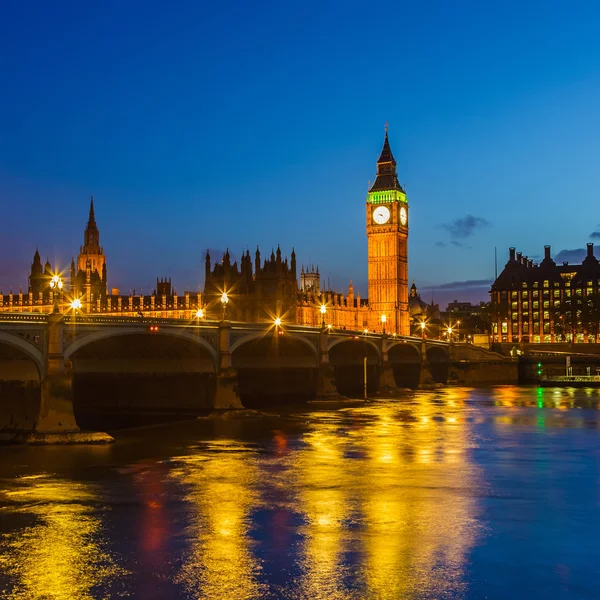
point(403, 216)
point(381, 215)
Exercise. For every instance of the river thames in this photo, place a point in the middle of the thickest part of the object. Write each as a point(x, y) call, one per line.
point(456, 493)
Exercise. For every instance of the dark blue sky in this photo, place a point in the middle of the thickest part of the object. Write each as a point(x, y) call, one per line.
point(202, 125)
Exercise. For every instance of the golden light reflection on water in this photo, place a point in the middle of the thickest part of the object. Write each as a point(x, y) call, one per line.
point(325, 500)
point(393, 488)
point(59, 557)
point(221, 491)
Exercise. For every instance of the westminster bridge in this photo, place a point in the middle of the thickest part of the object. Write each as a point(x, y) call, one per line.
point(55, 367)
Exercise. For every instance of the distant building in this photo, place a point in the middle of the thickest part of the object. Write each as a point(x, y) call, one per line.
point(546, 302)
point(88, 277)
point(259, 290)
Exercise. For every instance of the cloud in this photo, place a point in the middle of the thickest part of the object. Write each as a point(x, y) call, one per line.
point(574, 256)
point(460, 244)
point(595, 235)
point(441, 244)
point(460, 285)
point(465, 227)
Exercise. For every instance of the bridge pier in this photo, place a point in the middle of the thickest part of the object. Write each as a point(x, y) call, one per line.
point(56, 423)
point(387, 381)
point(326, 386)
point(227, 395)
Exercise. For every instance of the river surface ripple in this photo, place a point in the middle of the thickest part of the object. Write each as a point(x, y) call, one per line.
point(458, 493)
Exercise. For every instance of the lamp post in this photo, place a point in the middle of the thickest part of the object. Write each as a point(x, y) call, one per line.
point(76, 304)
point(383, 321)
point(422, 326)
point(200, 314)
point(449, 330)
point(224, 301)
point(56, 284)
point(323, 312)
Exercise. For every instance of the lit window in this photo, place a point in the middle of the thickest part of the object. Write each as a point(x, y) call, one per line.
point(546, 283)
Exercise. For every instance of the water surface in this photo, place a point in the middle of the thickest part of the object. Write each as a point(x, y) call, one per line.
point(457, 493)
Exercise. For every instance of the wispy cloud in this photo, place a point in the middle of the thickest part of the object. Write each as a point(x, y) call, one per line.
point(461, 285)
point(465, 227)
point(574, 256)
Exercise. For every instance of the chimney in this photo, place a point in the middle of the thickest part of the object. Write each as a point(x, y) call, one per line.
point(519, 257)
point(530, 263)
point(511, 253)
point(590, 250)
point(547, 253)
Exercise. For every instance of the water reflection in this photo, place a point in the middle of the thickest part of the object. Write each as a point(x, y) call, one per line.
point(220, 479)
point(58, 554)
point(388, 504)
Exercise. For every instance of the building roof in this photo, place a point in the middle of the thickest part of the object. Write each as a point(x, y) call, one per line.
point(519, 270)
point(386, 178)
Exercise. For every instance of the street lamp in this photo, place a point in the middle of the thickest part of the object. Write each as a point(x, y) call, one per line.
point(224, 301)
point(56, 284)
point(449, 334)
point(76, 304)
point(277, 322)
point(422, 326)
point(383, 321)
point(200, 314)
point(323, 311)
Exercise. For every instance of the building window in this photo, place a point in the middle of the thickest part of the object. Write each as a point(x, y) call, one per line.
point(525, 305)
point(536, 304)
point(536, 316)
point(546, 283)
point(557, 293)
point(536, 294)
point(524, 284)
point(535, 285)
point(525, 294)
point(514, 306)
point(546, 315)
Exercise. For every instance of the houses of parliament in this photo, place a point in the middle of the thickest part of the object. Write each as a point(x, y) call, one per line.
point(258, 288)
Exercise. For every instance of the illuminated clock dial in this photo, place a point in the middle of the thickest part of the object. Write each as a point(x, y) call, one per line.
point(381, 215)
point(403, 216)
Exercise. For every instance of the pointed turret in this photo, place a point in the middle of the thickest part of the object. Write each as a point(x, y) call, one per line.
point(91, 237)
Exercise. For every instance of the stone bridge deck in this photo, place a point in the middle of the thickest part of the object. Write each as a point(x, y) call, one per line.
point(51, 349)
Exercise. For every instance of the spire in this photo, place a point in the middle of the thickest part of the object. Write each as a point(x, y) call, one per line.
point(386, 155)
point(92, 218)
point(387, 178)
point(91, 236)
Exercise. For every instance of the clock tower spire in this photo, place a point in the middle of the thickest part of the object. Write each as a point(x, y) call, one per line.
point(387, 236)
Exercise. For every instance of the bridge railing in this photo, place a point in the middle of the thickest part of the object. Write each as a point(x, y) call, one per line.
point(24, 317)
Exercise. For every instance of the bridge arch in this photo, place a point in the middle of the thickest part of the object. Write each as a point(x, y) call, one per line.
point(89, 338)
point(124, 375)
point(346, 356)
point(25, 348)
point(272, 368)
point(354, 340)
point(405, 360)
point(269, 335)
point(438, 360)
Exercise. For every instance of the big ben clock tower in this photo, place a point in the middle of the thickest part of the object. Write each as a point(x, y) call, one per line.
point(387, 235)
